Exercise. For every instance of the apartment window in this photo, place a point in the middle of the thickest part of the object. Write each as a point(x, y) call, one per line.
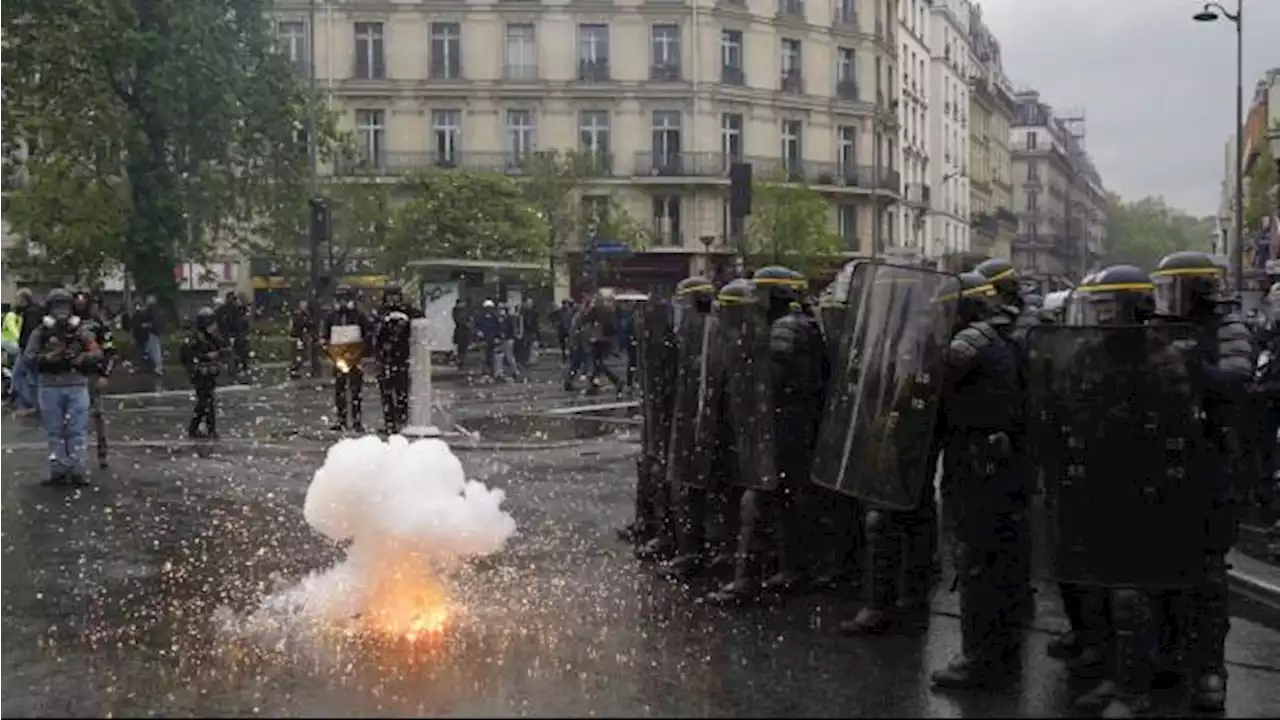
point(446, 127)
point(293, 43)
point(731, 57)
point(1033, 200)
point(666, 219)
point(791, 7)
point(731, 137)
point(665, 49)
point(847, 12)
point(879, 88)
point(1033, 171)
point(595, 208)
point(522, 52)
point(593, 52)
point(732, 225)
point(847, 225)
point(792, 149)
point(846, 74)
point(371, 131)
point(1031, 139)
point(593, 135)
point(666, 139)
point(370, 57)
point(520, 135)
point(446, 51)
point(791, 66)
point(847, 144)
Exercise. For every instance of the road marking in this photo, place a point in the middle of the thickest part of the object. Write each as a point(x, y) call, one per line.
point(575, 409)
point(176, 393)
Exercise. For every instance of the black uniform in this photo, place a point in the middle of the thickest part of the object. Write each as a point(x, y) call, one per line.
point(1016, 316)
point(101, 329)
point(1189, 289)
point(981, 489)
point(202, 353)
point(774, 391)
point(348, 380)
point(393, 346)
point(655, 530)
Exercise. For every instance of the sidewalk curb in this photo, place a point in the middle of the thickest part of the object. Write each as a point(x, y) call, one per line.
point(1256, 589)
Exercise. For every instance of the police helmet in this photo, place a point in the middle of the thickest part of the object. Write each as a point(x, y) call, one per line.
point(1002, 275)
point(82, 301)
point(976, 296)
point(205, 319)
point(1116, 295)
point(1186, 283)
point(780, 283)
point(392, 291)
point(695, 291)
point(737, 292)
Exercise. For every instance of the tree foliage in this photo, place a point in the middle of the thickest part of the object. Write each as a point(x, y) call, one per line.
point(1260, 195)
point(178, 118)
point(1143, 231)
point(464, 214)
point(789, 226)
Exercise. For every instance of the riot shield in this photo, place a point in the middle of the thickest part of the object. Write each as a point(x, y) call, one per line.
point(835, 303)
point(1114, 426)
point(748, 383)
point(655, 340)
point(694, 415)
point(875, 442)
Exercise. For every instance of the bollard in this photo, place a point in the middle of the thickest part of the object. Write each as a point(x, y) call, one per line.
point(421, 395)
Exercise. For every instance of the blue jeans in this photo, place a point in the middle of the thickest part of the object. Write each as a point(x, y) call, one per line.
point(64, 411)
point(154, 355)
point(24, 383)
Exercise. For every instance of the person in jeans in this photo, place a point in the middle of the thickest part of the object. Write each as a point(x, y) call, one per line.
point(30, 316)
point(146, 333)
point(64, 352)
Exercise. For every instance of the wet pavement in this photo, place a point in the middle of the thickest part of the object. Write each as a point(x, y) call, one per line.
point(110, 593)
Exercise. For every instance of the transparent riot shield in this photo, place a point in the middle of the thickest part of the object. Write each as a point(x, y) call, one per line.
point(748, 384)
point(694, 415)
point(1114, 423)
point(882, 408)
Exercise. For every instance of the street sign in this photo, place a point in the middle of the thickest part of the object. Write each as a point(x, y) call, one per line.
point(611, 249)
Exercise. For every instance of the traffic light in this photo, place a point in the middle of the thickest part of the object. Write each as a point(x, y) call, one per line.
point(319, 220)
point(740, 189)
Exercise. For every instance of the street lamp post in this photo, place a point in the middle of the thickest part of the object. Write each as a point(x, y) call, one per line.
point(1212, 12)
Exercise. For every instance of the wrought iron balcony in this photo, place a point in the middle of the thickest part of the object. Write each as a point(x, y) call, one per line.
point(665, 73)
point(730, 75)
point(847, 90)
point(593, 70)
point(680, 164)
point(792, 82)
point(401, 163)
point(527, 72)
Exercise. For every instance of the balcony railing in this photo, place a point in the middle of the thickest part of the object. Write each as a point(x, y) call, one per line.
point(730, 75)
point(792, 82)
point(593, 70)
point(520, 72)
point(669, 72)
point(846, 20)
point(847, 90)
point(511, 163)
point(681, 164)
point(918, 194)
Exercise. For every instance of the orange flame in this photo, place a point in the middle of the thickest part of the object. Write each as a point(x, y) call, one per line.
point(408, 602)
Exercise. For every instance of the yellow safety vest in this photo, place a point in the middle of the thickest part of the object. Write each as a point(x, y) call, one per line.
point(12, 329)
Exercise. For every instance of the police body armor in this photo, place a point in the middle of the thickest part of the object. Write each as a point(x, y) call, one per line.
point(1106, 401)
point(876, 438)
point(743, 320)
point(695, 417)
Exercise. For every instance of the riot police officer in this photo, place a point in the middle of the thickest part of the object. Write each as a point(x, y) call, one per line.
point(1189, 288)
point(393, 346)
point(85, 308)
point(981, 489)
point(783, 372)
point(1015, 316)
point(202, 353)
point(695, 493)
point(347, 337)
point(654, 528)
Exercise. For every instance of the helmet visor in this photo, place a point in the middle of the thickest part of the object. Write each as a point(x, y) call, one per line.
point(1179, 293)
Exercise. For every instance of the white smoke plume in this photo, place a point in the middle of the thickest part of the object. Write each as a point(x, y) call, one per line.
point(411, 516)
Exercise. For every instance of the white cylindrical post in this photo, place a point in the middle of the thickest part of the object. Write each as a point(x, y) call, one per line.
point(421, 396)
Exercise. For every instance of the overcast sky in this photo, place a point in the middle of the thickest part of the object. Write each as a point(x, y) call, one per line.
point(1157, 88)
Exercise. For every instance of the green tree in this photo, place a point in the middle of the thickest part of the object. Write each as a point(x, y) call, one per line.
point(1260, 196)
point(555, 183)
point(183, 109)
point(789, 226)
point(1142, 232)
point(464, 214)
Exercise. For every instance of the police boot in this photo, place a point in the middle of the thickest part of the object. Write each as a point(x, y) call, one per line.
point(1131, 613)
point(883, 564)
point(1210, 622)
point(918, 572)
point(983, 662)
point(788, 548)
point(744, 585)
point(690, 535)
